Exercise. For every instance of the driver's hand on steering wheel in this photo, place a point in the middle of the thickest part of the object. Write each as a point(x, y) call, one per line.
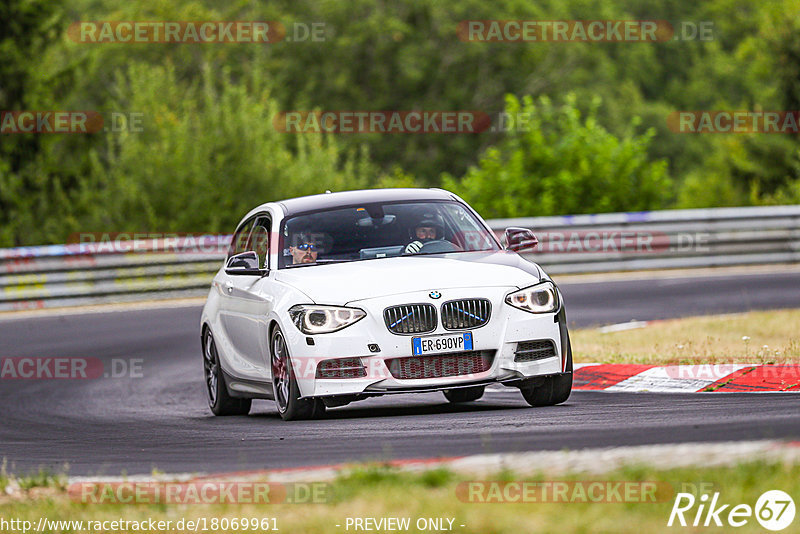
point(413, 247)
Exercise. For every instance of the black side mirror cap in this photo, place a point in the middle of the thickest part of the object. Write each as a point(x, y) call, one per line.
point(245, 264)
point(520, 240)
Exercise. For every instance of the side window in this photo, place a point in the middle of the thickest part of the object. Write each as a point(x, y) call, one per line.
point(239, 241)
point(259, 241)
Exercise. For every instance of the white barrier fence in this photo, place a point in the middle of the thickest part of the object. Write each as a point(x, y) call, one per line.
point(62, 275)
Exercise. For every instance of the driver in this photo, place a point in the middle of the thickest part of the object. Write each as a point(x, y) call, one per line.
point(305, 249)
point(429, 228)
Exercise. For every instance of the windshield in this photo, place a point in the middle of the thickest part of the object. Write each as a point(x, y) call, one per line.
point(381, 230)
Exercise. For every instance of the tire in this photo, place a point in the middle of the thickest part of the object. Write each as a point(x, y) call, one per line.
point(464, 394)
point(552, 390)
point(219, 401)
point(284, 384)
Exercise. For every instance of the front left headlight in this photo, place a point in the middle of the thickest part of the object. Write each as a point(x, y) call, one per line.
point(319, 319)
point(541, 298)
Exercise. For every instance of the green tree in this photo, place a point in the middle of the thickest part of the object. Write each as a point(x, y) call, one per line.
point(207, 153)
point(563, 163)
point(27, 28)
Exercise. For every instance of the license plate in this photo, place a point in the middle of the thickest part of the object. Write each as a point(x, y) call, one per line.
point(445, 343)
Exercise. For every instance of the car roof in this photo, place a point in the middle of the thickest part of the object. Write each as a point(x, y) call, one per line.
point(365, 196)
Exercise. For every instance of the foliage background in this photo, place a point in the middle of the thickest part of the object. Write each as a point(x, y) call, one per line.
point(209, 152)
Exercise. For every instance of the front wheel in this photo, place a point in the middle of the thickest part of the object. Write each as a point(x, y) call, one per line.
point(464, 394)
point(550, 390)
point(284, 384)
point(554, 390)
point(220, 402)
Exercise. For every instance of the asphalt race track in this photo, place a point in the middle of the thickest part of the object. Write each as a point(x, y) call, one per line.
point(160, 420)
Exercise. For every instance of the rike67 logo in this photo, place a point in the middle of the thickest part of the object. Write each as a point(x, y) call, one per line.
point(774, 510)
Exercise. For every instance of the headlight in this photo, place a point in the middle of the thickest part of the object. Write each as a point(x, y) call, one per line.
point(541, 298)
point(315, 319)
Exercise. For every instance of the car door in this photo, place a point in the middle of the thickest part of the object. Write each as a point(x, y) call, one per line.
point(244, 305)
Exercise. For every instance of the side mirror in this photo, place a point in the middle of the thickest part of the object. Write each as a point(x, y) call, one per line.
point(245, 263)
point(520, 240)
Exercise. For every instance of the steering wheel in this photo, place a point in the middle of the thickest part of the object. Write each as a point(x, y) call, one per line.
point(437, 245)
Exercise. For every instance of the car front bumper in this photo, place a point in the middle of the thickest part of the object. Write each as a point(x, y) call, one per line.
point(507, 327)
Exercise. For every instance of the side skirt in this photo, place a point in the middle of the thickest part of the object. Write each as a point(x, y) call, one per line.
point(245, 388)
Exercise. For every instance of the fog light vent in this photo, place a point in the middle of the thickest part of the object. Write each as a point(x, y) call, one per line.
point(528, 351)
point(341, 368)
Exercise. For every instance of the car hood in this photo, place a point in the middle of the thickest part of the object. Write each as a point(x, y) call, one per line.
point(340, 283)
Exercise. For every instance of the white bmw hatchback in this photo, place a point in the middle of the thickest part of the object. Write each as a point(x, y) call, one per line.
point(328, 299)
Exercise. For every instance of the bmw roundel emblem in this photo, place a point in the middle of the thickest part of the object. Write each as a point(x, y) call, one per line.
point(435, 295)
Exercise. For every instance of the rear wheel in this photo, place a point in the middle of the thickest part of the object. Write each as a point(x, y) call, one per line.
point(464, 394)
point(284, 384)
point(220, 402)
point(550, 390)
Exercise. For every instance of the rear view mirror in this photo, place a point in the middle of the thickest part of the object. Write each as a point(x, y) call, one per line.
point(375, 222)
point(520, 240)
point(245, 263)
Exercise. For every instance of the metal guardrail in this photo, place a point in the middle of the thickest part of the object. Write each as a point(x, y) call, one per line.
point(667, 239)
point(63, 275)
point(81, 274)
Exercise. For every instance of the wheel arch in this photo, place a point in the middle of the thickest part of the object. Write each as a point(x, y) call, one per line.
point(273, 323)
point(204, 327)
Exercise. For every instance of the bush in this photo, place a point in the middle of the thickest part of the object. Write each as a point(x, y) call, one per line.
point(563, 163)
point(207, 153)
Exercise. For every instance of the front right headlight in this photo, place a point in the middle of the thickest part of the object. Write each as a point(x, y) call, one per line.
point(540, 298)
point(319, 319)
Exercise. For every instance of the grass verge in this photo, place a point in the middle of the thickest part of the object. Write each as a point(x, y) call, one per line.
point(378, 492)
point(767, 337)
